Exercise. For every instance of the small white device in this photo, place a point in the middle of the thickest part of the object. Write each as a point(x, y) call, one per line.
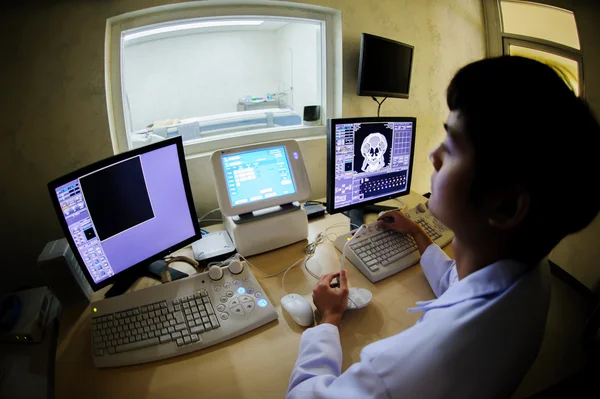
point(213, 245)
point(262, 235)
point(255, 177)
point(380, 253)
point(298, 308)
point(63, 274)
point(179, 317)
point(258, 187)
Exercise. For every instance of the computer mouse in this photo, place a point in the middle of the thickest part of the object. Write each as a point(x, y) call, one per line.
point(298, 308)
point(359, 298)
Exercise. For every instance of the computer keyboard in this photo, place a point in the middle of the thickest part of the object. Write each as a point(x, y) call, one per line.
point(381, 253)
point(176, 318)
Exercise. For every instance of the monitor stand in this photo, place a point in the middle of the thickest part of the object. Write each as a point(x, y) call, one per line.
point(357, 215)
point(154, 270)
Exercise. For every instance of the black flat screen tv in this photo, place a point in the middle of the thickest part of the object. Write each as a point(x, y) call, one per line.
point(384, 67)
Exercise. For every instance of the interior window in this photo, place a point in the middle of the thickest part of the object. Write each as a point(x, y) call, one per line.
point(206, 77)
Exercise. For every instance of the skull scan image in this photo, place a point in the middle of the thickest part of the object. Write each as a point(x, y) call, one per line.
point(373, 150)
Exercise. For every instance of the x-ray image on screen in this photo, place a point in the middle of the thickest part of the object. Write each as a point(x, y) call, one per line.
point(372, 148)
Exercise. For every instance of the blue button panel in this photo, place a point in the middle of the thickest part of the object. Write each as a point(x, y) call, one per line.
point(241, 290)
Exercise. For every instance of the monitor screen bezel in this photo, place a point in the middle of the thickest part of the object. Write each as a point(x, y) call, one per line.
point(297, 167)
point(364, 43)
point(331, 123)
point(139, 268)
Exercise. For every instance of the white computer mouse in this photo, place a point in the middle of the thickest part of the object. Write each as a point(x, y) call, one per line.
point(298, 308)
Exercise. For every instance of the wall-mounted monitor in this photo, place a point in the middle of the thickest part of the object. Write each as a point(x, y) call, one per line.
point(384, 67)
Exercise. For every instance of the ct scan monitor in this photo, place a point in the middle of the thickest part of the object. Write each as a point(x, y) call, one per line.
point(369, 160)
point(122, 213)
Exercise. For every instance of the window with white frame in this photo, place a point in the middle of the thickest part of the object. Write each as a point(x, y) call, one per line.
point(539, 31)
point(221, 75)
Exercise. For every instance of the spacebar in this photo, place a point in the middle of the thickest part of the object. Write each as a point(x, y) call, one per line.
point(137, 345)
point(401, 255)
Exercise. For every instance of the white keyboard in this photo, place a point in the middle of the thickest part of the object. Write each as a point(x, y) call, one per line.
point(380, 253)
point(176, 318)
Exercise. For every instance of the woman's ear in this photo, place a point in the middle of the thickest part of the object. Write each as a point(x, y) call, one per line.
point(511, 207)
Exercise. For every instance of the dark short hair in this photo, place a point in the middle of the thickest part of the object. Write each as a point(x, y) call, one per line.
point(528, 127)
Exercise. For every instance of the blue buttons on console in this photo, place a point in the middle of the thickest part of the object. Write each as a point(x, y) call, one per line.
point(262, 303)
point(241, 290)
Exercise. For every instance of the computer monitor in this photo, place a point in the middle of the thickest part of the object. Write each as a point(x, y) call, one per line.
point(369, 160)
point(259, 176)
point(122, 213)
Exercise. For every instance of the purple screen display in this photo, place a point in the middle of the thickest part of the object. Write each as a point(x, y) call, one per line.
point(169, 223)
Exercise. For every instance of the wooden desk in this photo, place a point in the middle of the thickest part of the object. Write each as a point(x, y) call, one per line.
point(257, 364)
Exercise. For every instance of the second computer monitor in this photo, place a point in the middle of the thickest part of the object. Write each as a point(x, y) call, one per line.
point(369, 160)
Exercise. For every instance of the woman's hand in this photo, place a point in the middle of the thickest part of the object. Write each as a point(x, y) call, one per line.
point(395, 220)
point(331, 302)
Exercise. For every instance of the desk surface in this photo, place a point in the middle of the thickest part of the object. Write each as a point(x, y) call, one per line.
point(257, 364)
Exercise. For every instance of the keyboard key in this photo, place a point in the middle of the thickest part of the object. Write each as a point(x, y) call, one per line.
point(194, 338)
point(111, 350)
point(214, 321)
point(198, 329)
point(180, 327)
point(165, 338)
point(98, 352)
point(176, 335)
point(179, 317)
point(187, 340)
point(180, 342)
point(184, 333)
point(137, 345)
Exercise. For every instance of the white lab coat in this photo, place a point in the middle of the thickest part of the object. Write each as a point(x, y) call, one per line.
point(476, 340)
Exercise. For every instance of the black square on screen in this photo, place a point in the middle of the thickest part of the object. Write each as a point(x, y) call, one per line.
point(89, 233)
point(117, 197)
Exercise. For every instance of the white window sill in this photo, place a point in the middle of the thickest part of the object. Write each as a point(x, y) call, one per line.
point(206, 146)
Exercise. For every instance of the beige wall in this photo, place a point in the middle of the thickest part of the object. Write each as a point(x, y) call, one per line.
point(54, 108)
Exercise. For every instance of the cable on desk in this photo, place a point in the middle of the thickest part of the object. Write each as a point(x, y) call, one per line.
point(309, 250)
point(208, 213)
